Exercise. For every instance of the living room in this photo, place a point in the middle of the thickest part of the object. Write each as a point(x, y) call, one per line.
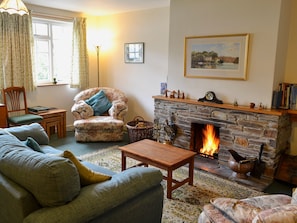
point(163, 30)
point(271, 54)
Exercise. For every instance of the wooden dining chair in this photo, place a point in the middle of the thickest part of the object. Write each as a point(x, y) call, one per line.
point(17, 112)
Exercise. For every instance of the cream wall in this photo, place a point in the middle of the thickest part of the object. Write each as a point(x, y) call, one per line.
point(139, 81)
point(200, 18)
point(163, 31)
point(272, 53)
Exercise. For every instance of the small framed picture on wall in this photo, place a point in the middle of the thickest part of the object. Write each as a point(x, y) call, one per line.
point(134, 52)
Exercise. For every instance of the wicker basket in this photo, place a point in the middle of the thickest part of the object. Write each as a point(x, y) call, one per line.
point(139, 129)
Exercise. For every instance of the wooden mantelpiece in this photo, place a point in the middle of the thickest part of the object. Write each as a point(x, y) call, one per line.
point(278, 112)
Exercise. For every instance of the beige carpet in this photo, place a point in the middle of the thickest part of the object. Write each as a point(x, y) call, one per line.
point(187, 201)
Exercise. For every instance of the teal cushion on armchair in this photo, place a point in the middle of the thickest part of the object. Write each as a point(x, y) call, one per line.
point(99, 102)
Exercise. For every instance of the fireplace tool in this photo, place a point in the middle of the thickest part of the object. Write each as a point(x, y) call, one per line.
point(259, 166)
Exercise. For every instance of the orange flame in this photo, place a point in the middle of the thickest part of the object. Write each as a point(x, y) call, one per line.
point(210, 141)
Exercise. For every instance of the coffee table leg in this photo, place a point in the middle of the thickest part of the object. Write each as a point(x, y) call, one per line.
point(169, 184)
point(191, 171)
point(123, 161)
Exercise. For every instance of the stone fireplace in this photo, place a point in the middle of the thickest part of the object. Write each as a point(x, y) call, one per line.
point(240, 128)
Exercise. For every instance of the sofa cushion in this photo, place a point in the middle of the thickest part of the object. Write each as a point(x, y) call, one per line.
point(33, 144)
point(103, 198)
point(99, 102)
point(87, 176)
point(52, 180)
point(237, 210)
point(34, 130)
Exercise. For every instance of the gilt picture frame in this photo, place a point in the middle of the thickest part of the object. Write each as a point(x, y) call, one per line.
point(216, 57)
point(134, 52)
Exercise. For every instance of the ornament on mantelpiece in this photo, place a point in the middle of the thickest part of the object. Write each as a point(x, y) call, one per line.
point(170, 130)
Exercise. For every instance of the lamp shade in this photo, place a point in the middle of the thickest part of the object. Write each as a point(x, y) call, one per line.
point(13, 7)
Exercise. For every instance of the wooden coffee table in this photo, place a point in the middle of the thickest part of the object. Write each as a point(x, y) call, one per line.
point(163, 156)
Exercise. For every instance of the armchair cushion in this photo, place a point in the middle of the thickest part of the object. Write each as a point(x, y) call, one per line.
point(211, 214)
point(99, 102)
point(81, 110)
point(236, 210)
point(268, 208)
point(118, 109)
point(268, 201)
point(285, 213)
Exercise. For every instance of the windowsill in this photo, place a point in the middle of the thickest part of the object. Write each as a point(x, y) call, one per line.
point(51, 84)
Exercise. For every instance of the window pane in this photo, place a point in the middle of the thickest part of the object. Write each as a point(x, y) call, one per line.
point(53, 50)
point(62, 49)
point(42, 60)
point(40, 29)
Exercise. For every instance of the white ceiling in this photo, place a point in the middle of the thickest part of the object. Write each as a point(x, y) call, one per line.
point(101, 7)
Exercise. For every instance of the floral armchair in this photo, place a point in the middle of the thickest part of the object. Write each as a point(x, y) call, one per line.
point(269, 208)
point(107, 124)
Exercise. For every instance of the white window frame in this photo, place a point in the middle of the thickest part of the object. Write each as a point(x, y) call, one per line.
point(49, 38)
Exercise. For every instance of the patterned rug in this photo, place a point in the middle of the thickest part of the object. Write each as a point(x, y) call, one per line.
point(187, 201)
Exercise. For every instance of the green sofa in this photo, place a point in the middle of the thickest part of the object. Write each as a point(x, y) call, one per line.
point(41, 186)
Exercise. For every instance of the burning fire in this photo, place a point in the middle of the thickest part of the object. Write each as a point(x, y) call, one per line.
point(210, 141)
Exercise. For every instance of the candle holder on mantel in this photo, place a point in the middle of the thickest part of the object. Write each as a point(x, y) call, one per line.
point(175, 94)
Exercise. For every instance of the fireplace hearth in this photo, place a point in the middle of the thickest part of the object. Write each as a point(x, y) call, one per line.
point(239, 128)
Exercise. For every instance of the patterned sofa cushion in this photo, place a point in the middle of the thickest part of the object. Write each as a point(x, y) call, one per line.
point(52, 180)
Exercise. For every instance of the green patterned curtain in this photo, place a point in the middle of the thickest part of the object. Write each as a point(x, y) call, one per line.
point(16, 42)
point(80, 66)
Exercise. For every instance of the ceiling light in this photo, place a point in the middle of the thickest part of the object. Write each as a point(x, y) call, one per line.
point(13, 7)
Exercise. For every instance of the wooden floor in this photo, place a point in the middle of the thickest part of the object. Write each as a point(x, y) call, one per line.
point(212, 166)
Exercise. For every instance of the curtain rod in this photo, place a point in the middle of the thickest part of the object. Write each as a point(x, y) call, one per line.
point(49, 16)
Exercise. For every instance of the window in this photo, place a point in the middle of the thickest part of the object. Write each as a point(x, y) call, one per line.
point(52, 50)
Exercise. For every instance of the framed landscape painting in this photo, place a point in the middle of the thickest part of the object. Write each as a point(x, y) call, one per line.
point(216, 57)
